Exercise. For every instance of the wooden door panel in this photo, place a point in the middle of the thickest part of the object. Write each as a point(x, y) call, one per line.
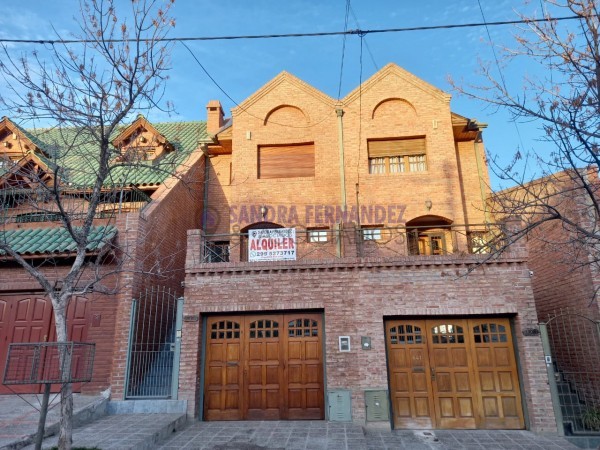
point(410, 383)
point(223, 374)
point(465, 375)
point(264, 367)
point(28, 320)
point(496, 370)
point(452, 375)
point(303, 375)
point(272, 369)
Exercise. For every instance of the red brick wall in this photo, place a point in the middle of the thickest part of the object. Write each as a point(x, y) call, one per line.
point(393, 104)
point(356, 295)
point(156, 241)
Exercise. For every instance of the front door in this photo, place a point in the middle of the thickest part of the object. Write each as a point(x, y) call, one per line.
point(453, 373)
point(264, 367)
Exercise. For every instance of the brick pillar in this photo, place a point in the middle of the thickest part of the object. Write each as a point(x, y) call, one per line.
point(235, 252)
point(129, 227)
point(512, 226)
point(194, 254)
point(189, 366)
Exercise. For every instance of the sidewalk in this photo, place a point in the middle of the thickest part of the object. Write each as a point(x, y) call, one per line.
point(19, 420)
point(315, 435)
point(168, 431)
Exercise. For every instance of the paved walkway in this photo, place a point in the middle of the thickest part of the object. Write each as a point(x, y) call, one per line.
point(18, 418)
point(316, 435)
point(149, 431)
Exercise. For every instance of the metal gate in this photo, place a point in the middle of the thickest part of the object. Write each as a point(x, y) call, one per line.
point(571, 343)
point(154, 345)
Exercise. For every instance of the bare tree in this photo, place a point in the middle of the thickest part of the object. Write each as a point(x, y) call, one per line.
point(559, 187)
point(83, 91)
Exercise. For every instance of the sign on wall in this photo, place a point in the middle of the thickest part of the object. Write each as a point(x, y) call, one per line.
point(278, 244)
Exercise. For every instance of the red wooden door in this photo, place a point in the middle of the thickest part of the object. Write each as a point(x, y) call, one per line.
point(29, 320)
point(78, 320)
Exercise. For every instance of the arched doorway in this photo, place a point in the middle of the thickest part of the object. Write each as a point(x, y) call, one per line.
point(429, 235)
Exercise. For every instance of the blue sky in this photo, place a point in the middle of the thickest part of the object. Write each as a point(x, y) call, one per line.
point(243, 66)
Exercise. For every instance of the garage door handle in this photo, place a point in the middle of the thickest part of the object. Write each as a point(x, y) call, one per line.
point(432, 374)
point(232, 363)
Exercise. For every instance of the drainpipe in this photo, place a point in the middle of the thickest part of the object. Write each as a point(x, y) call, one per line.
point(340, 113)
point(204, 148)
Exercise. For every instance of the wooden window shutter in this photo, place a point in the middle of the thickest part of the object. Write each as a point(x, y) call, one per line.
point(396, 147)
point(286, 161)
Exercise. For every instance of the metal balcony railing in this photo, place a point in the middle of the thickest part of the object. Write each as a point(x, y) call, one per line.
point(386, 242)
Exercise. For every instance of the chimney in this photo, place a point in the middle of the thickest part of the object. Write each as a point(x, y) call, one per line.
point(214, 116)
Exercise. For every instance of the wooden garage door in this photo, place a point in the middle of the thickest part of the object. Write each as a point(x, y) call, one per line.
point(453, 373)
point(29, 318)
point(264, 367)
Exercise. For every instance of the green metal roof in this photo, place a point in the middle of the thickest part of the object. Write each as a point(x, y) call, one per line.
point(46, 241)
point(76, 154)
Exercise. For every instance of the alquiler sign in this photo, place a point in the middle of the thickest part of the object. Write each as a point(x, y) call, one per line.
point(277, 244)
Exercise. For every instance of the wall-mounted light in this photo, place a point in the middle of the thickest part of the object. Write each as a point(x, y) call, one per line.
point(428, 204)
point(263, 211)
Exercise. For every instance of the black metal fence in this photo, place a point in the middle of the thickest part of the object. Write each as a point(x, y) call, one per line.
point(154, 345)
point(49, 363)
point(323, 243)
point(572, 342)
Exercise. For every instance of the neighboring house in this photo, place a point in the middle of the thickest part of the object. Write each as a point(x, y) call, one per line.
point(390, 299)
point(151, 199)
point(560, 227)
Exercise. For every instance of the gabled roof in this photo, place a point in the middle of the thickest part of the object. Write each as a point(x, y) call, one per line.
point(17, 168)
point(283, 77)
point(75, 153)
point(29, 139)
point(135, 125)
point(394, 69)
point(54, 241)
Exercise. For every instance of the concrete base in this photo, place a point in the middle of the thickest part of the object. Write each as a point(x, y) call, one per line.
point(147, 407)
point(584, 441)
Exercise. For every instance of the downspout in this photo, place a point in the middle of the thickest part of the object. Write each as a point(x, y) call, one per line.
point(340, 114)
point(204, 148)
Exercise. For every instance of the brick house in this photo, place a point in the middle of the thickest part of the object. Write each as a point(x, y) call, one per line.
point(559, 221)
point(390, 307)
point(139, 219)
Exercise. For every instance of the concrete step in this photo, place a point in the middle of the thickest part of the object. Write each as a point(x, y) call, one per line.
point(124, 432)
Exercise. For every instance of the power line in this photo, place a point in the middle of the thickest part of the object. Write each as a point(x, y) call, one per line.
point(364, 39)
point(343, 48)
point(235, 102)
point(293, 35)
point(514, 121)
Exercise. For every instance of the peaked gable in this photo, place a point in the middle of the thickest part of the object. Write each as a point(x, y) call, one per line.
point(15, 142)
point(141, 141)
point(283, 77)
point(395, 70)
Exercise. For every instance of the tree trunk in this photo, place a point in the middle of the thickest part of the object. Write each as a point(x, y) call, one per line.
point(65, 437)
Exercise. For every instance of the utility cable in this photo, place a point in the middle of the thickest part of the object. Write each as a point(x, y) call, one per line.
point(291, 35)
point(343, 49)
point(236, 103)
point(364, 39)
point(514, 121)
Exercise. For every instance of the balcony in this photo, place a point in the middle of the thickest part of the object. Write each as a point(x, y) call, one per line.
point(351, 241)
